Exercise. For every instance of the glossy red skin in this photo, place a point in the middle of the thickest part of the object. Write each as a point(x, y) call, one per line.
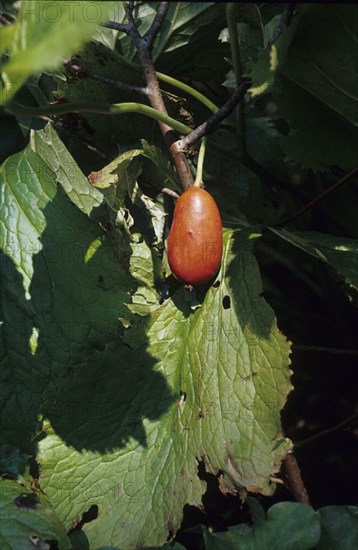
point(195, 240)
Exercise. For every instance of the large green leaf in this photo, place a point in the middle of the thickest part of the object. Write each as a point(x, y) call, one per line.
point(27, 521)
point(133, 447)
point(332, 78)
point(64, 285)
point(50, 148)
point(43, 35)
point(184, 45)
point(329, 140)
point(259, 61)
point(340, 253)
point(181, 22)
point(339, 527)
point(317, 93)
point(288, 525)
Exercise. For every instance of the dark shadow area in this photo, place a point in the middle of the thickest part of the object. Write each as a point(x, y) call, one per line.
point(255, 317)
point(313, 310)
point(186, 299)
point(95, 390)
point(12, 140)
point(219, 512)
point(21, 387)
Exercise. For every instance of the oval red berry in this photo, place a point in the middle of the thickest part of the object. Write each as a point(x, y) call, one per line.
point(195, 240)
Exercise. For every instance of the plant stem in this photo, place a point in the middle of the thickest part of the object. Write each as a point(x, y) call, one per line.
point(186, 88)
point(114, 109)
point(199, 169)
point(169, 80)
point(4, 20)
point(157, 22)
point(231, 11)
point(130, 88)
point(316, 200)
point(143, 46)
point(92, 148)
point(209, 125)
point(120, 27)
point(141, 89)
point(295, 481)
point(342, 424)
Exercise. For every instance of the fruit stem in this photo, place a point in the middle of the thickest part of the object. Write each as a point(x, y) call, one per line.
point(105, 109)
point(199, 169)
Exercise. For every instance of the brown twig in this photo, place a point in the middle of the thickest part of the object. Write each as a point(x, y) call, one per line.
point(209, 125)
point(121, 27)
point(339, 426)
point(294, 479)
point(4, 20)
point(74, 136)
point(316, 200)
point(143, 45)
point(130, 88)
point(150, 35)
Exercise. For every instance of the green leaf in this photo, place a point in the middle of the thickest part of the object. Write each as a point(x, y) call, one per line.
point(64, 286)
point(144, 267)
point(27, 521)
point(42, 36)
point(333, 78)
point(184, 46)
point(12, 461)
point(339, 528)
point(118, 180)
point(162, 404)
point(258, 61)
point(50, 148)
point(182, 20)
point(161, 172)
point(320, 87)
point(238, 190)
point(288, 525)
point(329, 141)
point(340, 253)
point(116, 12)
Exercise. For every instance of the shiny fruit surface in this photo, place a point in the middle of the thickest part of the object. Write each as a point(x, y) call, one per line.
point(195, 240)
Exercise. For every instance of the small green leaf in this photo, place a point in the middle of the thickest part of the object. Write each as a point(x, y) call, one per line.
point(288, 525)
point(333, 78)
point(42, 36)
point(160, 167)
point(12, 461)
point(338, 252)
point(27, 521)
point(270, 60)
point(339, 527)
point(117, 181)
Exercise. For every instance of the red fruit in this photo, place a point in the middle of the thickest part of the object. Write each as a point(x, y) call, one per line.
point(195, 240)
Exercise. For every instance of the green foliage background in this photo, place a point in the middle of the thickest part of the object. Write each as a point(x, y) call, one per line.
point(116, 386)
